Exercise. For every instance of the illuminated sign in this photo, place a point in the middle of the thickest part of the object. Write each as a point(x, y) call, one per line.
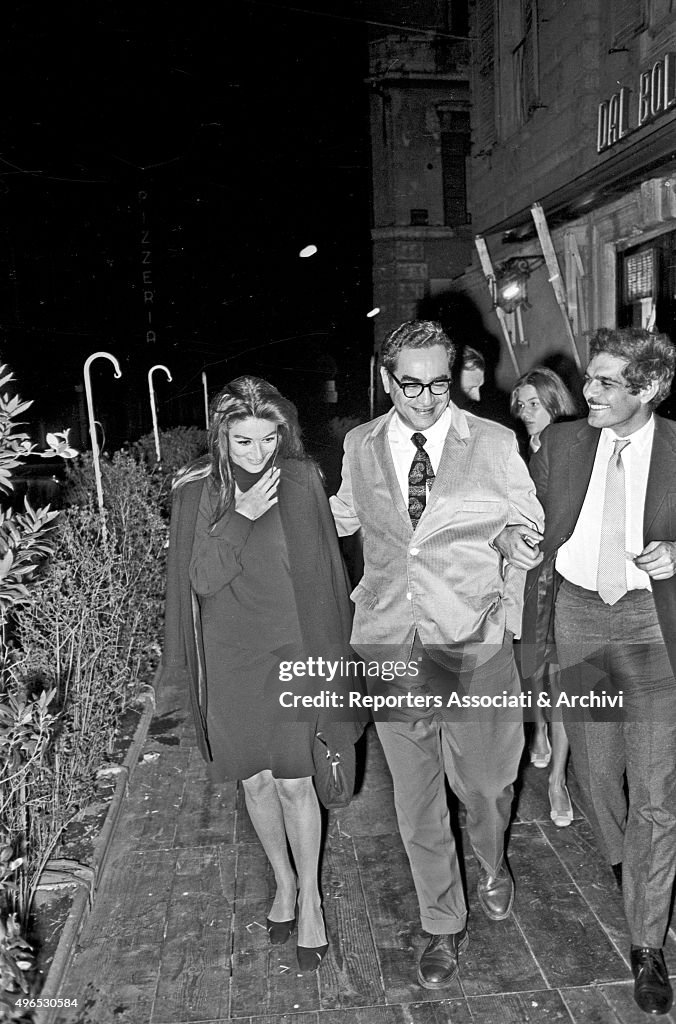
point(626, 111)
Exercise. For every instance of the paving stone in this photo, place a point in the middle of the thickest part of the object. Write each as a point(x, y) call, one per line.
point(177, 934)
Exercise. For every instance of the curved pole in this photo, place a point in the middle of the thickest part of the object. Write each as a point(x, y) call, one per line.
point(158, 366)
point(92, 421)
point(206, 399)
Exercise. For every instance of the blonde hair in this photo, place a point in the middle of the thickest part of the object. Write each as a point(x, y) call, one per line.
point(552, 392)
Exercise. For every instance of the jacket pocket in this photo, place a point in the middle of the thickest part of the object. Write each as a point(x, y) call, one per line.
point(476, 505)
point(363, 596)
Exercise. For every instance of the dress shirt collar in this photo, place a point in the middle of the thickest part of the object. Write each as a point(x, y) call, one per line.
point(641, 439)
point(401, 433)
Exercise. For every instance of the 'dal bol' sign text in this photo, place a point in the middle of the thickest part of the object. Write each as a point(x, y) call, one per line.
point(626, 110)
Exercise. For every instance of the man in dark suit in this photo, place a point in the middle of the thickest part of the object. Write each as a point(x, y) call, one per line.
point(605, 595)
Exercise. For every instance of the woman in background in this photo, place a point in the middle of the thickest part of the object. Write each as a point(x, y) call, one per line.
point(255, 578)
point(539, 398)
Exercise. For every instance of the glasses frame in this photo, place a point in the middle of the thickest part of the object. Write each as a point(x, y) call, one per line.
point(417, 384)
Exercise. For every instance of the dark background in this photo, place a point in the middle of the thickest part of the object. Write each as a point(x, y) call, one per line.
point(232, 138)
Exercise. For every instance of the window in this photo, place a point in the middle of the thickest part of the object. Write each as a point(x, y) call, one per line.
point(647, 285)
point(625, 19)
point(526, 63)
point(458, 20)
point(484, 76)
point(660, 10)
point(638, 287)
point(454, 146)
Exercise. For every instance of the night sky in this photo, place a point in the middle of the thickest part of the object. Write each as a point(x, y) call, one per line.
point(203, 149)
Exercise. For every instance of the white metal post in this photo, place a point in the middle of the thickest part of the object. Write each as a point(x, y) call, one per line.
point(153, 410)
point(92, 424)
point(206, 399)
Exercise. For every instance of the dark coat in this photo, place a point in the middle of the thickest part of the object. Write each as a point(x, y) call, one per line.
point(319, 580)
point(561, 470)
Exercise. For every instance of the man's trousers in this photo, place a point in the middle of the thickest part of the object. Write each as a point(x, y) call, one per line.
point(619, 650)
point(478, 750)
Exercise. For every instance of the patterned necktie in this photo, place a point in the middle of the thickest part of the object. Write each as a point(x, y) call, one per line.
point(611, 581)
point(419, 476)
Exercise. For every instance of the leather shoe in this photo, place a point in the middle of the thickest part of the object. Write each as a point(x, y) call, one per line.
point(496, 893)
point(652, 991)
point(439, 963)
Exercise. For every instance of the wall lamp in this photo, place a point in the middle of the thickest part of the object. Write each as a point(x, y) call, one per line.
point(511, 281)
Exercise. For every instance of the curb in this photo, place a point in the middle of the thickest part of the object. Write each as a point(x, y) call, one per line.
point(84, 898)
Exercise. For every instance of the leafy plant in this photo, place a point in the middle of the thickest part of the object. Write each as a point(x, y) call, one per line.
point(25, 721)
point(90, 635)
point(75, 651)
point(179, 446)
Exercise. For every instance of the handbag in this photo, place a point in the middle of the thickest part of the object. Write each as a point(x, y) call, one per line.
point(334, 773)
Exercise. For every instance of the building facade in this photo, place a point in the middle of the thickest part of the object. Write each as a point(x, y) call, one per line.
point(572, 176)
point(420, 135)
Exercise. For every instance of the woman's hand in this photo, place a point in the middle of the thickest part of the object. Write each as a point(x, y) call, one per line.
point(255, 502)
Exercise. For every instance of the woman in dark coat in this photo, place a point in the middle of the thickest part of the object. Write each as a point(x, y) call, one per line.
point(255, 585)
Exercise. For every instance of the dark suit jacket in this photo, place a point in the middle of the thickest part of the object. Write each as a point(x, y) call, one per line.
point(561, 470)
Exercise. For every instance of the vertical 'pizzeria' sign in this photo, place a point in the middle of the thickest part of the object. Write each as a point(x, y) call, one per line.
point(147, 271)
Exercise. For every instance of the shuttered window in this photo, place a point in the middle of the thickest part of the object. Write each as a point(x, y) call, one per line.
point(526, 63)
point(638, 275)
point(454, 146)
point(626, 18)
point(484, 76)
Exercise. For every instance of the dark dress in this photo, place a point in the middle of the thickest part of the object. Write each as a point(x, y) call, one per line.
point(240, 728)
point(244, 620)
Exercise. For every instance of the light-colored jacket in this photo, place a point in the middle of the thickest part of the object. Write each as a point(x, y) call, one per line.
point(444, 579)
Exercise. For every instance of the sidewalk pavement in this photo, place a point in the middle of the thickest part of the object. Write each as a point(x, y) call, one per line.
point(177, 933)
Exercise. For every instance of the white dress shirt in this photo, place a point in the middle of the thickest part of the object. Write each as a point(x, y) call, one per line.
point(403, 449)
point(578, 559)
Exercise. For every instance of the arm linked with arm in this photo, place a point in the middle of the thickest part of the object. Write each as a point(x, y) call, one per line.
point(518, 541)
point(342, 507)
point(524, 506)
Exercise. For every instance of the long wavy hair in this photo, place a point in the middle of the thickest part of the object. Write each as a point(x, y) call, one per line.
point(552, 392)
point(241, 399)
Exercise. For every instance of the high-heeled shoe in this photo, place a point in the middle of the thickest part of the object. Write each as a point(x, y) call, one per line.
point(280, 931)
point(540, 759)
point(564, 817)
point(310, 957)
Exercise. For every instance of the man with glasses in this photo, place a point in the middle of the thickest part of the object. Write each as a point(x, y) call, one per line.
point(605, 593)
point(450, 522)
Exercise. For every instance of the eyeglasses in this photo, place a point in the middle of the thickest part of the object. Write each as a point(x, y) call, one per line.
point(414, 389)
